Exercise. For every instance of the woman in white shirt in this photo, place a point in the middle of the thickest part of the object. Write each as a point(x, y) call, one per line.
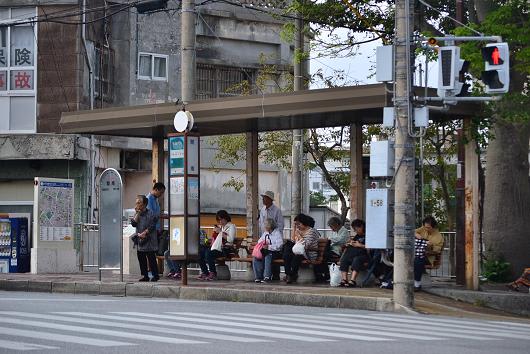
point(273, 241)
point(227, 231)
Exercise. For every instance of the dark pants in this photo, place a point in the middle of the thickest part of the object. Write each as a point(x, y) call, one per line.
point(209, 258)
point(419, 268)
point(143, 258)
point(202, 259)
point(292, 262)
point(353, 257)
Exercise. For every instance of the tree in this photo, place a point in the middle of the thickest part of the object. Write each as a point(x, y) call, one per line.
point(507, 185)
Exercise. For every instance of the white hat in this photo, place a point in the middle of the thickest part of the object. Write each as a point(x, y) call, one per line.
point(268, 194)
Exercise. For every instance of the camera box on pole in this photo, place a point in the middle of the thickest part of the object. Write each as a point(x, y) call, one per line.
point(381, 159)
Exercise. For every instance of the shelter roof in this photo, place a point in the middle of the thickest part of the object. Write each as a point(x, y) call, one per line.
point(283, 111)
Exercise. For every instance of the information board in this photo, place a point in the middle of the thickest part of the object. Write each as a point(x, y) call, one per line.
point(55, 205)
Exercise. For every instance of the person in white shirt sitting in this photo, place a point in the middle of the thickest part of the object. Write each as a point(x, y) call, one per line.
point(227, 231)
point(272, 240)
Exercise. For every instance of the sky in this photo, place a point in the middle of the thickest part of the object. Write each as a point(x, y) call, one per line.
point(361, 67)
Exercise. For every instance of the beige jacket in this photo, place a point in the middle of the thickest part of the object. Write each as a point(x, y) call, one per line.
point(436, 241)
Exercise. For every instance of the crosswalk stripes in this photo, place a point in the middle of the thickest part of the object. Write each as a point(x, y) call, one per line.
point(107, 332)
point(322, 329)
point(226, 329)
point(137, 327)
point(31, 333)
point(271, 329)
point(378, 327)
point(436, 325)
point(12, 345)
point(134, 328)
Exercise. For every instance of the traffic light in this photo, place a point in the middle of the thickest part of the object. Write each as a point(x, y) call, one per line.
point(496, 77)
point(452, 72)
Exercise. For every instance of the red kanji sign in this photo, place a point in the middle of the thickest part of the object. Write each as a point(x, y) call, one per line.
point(22, 80)
point(3, 83)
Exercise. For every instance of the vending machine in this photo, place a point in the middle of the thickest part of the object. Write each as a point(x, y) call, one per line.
point(14, 246)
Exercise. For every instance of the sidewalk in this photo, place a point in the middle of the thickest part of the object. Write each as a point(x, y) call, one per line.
point(320, 295)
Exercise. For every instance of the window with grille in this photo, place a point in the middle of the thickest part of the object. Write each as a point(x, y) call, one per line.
point(215, 81)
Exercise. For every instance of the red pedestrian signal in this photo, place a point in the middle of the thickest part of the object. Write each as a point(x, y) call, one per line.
point(496, 77)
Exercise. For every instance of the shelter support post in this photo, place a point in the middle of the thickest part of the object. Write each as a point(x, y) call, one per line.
point(471, 214)
point(252, 185)
point(356, 172)
point(158, 166)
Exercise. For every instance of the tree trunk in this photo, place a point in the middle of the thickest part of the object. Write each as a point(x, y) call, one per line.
point(507, 195)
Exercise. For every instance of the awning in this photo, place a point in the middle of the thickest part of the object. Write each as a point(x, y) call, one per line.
point(304, 109)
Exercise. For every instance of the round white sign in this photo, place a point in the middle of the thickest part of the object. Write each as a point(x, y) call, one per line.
point(180, 122)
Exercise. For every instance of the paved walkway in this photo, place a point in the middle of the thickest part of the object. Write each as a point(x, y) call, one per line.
point(276, 293)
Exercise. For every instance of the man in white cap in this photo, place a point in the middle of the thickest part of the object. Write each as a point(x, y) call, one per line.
point(269, 211)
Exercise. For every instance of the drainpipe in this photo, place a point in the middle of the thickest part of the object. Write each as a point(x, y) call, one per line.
point(87, 57)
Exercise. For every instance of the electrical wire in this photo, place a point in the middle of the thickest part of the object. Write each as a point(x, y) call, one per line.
point(452, 18)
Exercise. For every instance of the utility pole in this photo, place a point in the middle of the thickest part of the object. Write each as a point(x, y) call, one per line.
point(187, 41)
point(459, 241)
point(404, 206)
point(296, 170)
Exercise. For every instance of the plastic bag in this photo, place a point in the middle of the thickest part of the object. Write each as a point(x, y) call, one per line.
point(299, 248)
point(334, 275)
point(256, 252)
point(217, 244)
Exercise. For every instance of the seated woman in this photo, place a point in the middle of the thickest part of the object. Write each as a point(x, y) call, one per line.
point(339, 236)
point(227, 231)
point(273, 241)
point(304, 232)
point(354, 255)
point(427, 249)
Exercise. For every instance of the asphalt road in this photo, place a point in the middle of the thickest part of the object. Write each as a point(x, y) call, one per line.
point(56, 323)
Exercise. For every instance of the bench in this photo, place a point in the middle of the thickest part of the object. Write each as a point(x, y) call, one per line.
point(223, 273)
point(306, 277)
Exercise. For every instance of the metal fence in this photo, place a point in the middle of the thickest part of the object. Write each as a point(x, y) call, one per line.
point(447, 268)
point(89, 247)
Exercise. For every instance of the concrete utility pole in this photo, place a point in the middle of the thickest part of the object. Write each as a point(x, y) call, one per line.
point(404, 215)
point(187, 44)
point(296, 170)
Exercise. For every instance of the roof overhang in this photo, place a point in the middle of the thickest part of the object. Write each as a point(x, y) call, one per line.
point(284, 111)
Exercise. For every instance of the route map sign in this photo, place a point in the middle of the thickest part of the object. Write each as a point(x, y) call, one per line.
point(55, 205)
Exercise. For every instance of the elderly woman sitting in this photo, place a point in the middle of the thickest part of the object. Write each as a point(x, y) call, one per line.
point(272, 240)
point(306, 234)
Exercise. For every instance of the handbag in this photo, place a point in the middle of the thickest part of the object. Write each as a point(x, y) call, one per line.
point(299, 248)
point(217, 244)
point(265, 251)
point(256, 252)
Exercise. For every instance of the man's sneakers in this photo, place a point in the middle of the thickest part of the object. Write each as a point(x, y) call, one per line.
point(212, 276)
point(266, 280)
point(144, 279)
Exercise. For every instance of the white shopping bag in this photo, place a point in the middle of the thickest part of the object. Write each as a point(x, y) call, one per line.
point(334, 275)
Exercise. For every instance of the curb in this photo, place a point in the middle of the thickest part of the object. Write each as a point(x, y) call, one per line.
point(204, 294)
point(518, 304)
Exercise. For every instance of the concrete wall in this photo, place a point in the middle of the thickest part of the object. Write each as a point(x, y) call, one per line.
point(58, 68)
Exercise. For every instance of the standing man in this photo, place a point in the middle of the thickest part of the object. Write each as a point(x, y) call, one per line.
point(152, 198)
point(156, 192)
point(145, 223)
point(269, 211)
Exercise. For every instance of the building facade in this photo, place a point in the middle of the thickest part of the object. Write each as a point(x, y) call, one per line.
point(70, 55)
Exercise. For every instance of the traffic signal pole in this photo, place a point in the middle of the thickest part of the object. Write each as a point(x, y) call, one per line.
point(404, 207)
